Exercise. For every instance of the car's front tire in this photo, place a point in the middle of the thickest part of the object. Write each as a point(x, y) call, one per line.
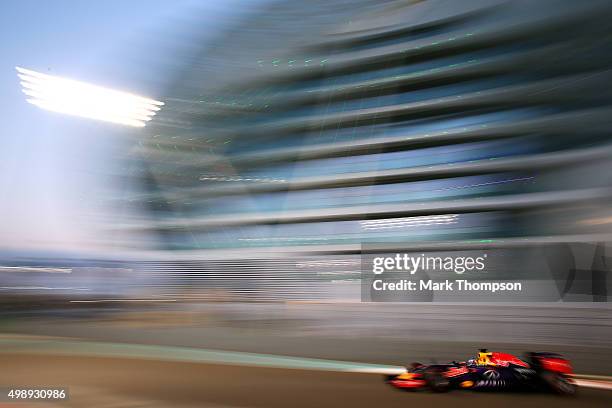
point(559, 384)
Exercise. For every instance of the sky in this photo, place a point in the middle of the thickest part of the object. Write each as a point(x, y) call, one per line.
point(52, 166)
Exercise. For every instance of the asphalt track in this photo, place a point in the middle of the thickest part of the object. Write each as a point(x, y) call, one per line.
point(127, 382)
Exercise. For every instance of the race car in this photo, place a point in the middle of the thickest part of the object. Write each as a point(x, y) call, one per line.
point(491, 371)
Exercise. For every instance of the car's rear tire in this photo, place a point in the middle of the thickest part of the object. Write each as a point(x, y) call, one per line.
point(559, 384)
point(436, 381)
point(389, 378)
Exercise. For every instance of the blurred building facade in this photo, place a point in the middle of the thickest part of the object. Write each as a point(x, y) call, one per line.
point(312, 129)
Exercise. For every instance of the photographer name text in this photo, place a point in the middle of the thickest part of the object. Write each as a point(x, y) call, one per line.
point(446, 285)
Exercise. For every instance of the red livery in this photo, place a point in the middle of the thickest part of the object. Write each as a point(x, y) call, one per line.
point(491, 371)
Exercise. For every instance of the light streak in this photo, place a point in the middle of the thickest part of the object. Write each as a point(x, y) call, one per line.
point(86, 100)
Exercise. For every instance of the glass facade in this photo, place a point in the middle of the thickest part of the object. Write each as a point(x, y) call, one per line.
point(391, 122)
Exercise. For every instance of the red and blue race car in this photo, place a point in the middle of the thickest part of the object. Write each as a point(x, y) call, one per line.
point(491, 371)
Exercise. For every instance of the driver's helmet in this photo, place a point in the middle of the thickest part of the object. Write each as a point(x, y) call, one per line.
point(484, 358)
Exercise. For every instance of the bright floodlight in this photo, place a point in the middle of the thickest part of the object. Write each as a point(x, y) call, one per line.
point(85, 100)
